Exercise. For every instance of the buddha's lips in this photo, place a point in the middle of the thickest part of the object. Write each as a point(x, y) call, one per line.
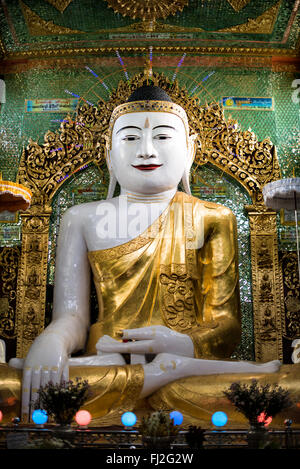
point(147, 167)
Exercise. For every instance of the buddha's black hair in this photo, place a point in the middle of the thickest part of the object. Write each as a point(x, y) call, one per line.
point(149, 93)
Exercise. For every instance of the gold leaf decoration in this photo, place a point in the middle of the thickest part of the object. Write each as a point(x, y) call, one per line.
point(263, 24)
point(147, 10)
point(9, 261)
point(60, 5)
point(150, 26)
point(238, 5)
point(39, 27)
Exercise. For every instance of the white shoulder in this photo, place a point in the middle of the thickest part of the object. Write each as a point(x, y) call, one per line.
point(77, 213)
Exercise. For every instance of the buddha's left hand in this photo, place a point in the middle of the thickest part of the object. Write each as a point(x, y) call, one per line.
point(146, 340)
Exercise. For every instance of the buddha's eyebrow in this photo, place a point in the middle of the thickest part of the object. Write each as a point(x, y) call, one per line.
point(168, 126)
point(128, 127)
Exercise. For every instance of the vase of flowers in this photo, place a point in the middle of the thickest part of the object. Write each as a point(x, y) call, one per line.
point(259, 404)
point(158, 430)
point(62, 401)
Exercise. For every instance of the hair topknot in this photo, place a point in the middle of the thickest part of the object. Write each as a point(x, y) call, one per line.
point(149, 93)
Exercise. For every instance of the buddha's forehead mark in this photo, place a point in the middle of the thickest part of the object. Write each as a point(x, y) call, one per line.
point(147, 123)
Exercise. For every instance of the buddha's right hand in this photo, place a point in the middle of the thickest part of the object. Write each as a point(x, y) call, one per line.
point(47, 360)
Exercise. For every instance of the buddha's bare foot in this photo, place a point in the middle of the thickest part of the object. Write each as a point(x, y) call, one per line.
point(166, 368)
point(268, 367)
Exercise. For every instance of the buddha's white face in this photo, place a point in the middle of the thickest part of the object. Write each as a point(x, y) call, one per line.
point(149, 151)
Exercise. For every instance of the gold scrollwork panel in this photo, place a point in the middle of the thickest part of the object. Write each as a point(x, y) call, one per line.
point(32, 279)
point(9, 261)
point(291, 286)
point(266, 284)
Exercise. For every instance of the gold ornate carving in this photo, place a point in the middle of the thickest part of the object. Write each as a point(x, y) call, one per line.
point(147, 10)
point(220, 142)
point(39, 27)
point(32, 277)
point(177, 303)
point(249, 52)
point(263, 24)
point(238, 5)
point(266, 284)
point(289, 268)
point(157, 26)
point(60, 5)
point(9, 261)
point(2, 48)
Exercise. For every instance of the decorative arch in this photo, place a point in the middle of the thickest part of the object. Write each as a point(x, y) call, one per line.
point(80, 141)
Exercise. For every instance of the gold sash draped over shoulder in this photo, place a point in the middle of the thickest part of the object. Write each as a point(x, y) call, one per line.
point(181, 272)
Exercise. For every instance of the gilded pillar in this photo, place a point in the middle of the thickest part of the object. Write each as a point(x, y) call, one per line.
point(267, 288)
point(32, 278)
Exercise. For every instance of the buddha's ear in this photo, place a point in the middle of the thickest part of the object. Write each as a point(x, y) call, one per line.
point(191, 151)
point(192, 147)
point(112, 177)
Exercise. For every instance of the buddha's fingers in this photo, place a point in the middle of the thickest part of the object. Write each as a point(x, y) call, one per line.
point(65, 373)
point(36, 383)
point(142, 333)
point(140, 346)
point(45, 376)
point(56, 374)
point(26, 393)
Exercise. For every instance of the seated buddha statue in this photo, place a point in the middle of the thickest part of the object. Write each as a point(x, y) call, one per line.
point(165, 268)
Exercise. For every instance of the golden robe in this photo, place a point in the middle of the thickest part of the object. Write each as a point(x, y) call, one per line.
point(162, 277)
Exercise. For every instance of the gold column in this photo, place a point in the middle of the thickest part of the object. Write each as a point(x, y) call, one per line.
point(32, 278)
point(267, 290)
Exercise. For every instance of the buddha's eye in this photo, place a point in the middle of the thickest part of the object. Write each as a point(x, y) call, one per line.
point(162, 137)
point(131, 138)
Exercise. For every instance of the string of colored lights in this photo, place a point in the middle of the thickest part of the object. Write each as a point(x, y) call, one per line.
point(178, 66)
point(66, 120)
point(123, 65)
point(95, 75)
point(80, 97)
point(204, 79)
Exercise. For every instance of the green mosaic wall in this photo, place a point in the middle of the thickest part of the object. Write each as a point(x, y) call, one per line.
point(281, 125)
point(92, 22)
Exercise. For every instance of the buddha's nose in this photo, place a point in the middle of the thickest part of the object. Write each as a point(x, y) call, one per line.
point(146, 149)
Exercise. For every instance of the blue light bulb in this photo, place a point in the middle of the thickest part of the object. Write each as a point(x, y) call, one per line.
point(128, 419)
point(219, 419)
point(39, 416)
point(177, 417)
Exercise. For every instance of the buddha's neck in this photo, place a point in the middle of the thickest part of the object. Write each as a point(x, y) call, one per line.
point(159, 197)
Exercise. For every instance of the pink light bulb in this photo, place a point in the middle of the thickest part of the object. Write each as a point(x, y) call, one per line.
point(1, 416)
point(83, 418)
